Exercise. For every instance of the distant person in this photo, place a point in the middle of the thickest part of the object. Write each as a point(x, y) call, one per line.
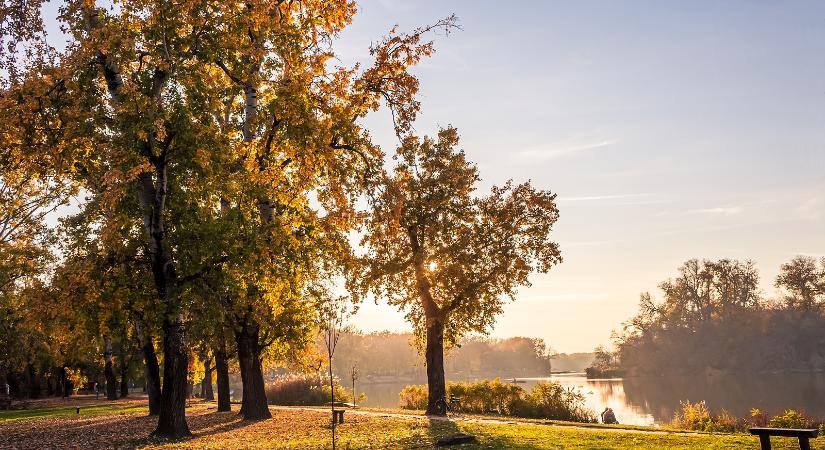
point(6, 388)
point(608, 417)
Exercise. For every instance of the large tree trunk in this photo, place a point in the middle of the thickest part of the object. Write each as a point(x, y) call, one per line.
point(32, 382)
point(67, 385)
point(253, 406)
point(108, 370)
point(222, 368)
point(50, 385)
point(151, 372)
point(435, 318)
point(434, 354)
point(206, 384)
point(152, 198)
point(124, 377)
point(172, 418)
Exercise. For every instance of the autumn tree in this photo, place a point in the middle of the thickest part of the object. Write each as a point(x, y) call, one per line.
point(446, 256)
point(710, 314)
point(168, 114)
point(294, 125)
point(28, 194)
point(803, 282)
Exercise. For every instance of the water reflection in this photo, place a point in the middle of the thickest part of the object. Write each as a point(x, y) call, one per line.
point(648, 401)
point(599, 394)
point(772, 393)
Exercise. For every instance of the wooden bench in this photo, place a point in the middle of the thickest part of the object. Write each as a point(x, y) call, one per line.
point(5, 400)
point(338, 415)
point(802, 433)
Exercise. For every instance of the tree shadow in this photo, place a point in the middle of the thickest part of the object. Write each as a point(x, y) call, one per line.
point(203, 424)
point(438, 428)
point(131, 430)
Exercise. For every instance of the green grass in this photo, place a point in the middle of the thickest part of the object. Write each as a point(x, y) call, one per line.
point(534, 421)
point(125, 425)
point(70, 411)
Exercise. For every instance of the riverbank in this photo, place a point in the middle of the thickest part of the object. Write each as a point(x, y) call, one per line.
point(124, 424)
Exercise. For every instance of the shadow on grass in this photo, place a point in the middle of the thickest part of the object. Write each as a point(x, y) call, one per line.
point(440, 428)
point(101, 426)
point(208, 423)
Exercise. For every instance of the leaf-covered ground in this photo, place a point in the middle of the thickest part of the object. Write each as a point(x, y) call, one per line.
point(123, 424)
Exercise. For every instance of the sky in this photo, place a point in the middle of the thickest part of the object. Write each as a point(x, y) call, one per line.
point(669, 130)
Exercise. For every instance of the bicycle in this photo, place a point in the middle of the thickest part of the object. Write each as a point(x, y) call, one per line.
point(451, 404)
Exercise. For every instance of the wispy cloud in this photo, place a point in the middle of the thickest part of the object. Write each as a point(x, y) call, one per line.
point(577, 296)
point(561, 149)
point(592, 198)
point(719, 210)
point(575, 244)
point(811, 208)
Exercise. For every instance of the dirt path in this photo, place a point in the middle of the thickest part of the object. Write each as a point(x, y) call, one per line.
point(490, 420)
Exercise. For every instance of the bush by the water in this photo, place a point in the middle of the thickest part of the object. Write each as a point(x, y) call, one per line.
point(553, 401)
point(413, 396)
point(790, 419)
point(545, 401)
point(304, 390)
point(697, 416)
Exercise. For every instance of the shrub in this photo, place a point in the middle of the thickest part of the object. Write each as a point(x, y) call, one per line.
point(413, 396)
point(790, 419)
point(697, 416)
point(303, 390)
point(758, 418)
point(76, 378)
point(725, 422)
point(693, 416)
point(553, 401)
point(546, 401)
point(486, 396)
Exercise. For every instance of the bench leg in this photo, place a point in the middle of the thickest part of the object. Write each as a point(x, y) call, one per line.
point(765, 441)
point(804, 444)
point(341, 418)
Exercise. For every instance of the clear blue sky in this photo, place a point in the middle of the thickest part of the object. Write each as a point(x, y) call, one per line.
point(670, 130)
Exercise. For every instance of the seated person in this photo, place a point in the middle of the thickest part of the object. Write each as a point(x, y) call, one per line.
point(609, 417)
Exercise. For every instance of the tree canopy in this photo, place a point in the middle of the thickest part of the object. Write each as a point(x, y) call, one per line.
point(448, 257)
point(218, 154)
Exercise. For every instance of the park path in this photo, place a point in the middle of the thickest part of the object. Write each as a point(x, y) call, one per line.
point(490, 420)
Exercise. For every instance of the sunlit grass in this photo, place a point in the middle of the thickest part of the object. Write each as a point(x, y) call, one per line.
point(125, 425)
point(72, 410)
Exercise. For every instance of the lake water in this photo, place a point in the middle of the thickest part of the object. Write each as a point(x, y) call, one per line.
point(651, 401)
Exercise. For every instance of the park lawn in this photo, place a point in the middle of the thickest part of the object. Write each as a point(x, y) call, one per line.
point(68, 407)
point(533, 421)
point(123, 424)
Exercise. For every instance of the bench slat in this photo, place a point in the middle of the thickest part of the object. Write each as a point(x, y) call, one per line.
point(787, 432)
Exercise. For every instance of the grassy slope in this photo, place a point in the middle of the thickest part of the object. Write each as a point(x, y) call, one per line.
point(124, 424)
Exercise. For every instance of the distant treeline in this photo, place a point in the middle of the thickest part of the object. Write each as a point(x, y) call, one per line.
point(393, 356)
point(571, 362)
point(714, 318)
